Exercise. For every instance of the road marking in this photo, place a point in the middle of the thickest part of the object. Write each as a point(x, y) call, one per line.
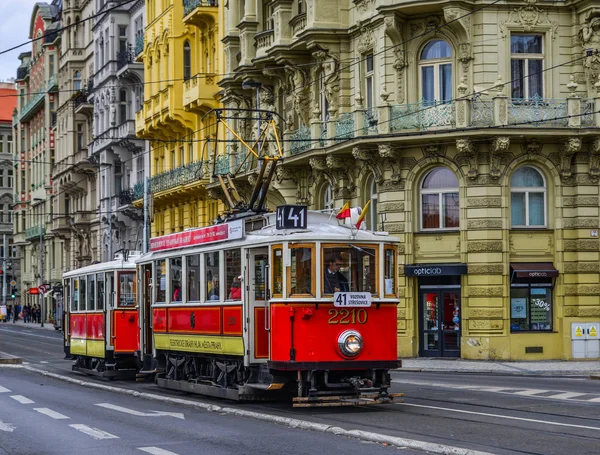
point(50, 413)
point(3, 389)
point(523, 419)
point(7, 427)
point(21, 399)
point(93, 432)
point(156, 451)
point(133, 412)
point(530, 392)
point(43, 361)
point(566, 395)
point(20, 332)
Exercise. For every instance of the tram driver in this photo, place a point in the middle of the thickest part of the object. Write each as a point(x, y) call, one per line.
point(334, 280)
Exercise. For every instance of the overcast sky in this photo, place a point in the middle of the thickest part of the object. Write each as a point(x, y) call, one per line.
point(15, 17)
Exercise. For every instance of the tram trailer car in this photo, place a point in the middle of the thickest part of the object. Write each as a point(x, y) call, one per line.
point(256, 309)
point(102, 318)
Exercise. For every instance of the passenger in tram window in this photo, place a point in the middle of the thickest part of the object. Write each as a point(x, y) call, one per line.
point(235, 293)
point(213, 294)
point(177, 292)
point(334, 280)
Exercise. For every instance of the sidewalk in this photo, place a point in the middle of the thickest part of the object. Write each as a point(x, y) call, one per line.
point(525, 368)
point(29, 325)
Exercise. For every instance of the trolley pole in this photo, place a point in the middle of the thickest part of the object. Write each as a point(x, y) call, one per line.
point(4, 271)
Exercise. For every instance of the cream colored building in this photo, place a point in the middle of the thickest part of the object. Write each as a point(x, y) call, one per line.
point(472, 127)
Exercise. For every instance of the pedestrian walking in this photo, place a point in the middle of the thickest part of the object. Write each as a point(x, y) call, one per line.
point(38, 314)
point(17, 312)
point(8, 313)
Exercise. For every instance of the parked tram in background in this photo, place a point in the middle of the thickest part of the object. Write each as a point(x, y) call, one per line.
point(101, 329)
point(257, 307)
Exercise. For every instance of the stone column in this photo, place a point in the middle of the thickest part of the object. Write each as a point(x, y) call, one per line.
point(463, 105)
point(500, 104)
point(573, 105)
point(384, 113)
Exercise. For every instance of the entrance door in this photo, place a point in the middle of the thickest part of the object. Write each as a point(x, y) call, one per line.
point(440, 323)
point(258, 304)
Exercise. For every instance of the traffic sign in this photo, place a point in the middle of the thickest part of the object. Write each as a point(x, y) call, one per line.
point(13, 283)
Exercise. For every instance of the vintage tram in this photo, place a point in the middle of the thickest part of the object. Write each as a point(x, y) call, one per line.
point(257, 307)
point(101, 329)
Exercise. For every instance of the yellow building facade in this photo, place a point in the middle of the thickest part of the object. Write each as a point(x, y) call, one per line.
point(182, 56)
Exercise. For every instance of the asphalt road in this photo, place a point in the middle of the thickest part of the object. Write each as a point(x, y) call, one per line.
point(497, 414)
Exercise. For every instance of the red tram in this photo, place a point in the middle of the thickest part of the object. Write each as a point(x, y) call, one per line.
point(101, 317)
point(250, 309)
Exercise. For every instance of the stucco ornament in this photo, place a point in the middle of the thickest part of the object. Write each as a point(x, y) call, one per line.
point(595, 159)
point(527, 18)
point(393, 29)
point(569, 147)
point(467, 148)
point(366, 41)
point(589, 35)
point(330, 65)
point(299, 82)
point(499, 146)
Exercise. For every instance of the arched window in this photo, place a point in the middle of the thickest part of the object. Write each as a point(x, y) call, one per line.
point(187, 61)
point(528, 198)
point(371, 195)
point(439, 200)
point(327, 198)
point(435, 66)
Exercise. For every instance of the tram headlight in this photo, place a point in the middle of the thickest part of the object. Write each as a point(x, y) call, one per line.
point(350, 343)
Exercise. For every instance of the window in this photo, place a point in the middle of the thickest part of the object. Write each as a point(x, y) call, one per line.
point(100, 291)
point(528, 198)
point(122, 39)
point(526, 66)
point(127, 289)
point(349, 269)
point(75, 287)
point(122, 106)
point(9, 179)
point(233, 271)
point(77, 81)
point(91, 279)
point(211, 266)
point(371, 195)
point(323, 103)
point(187, 61)
point(277, 287)
point(193, 278)
point(51, 65)
point(268, 23)
point(161, 285)
point(80, 142)
point(82, 295)
point(1, 178)
point(389, 271)
point(327, 200)
point(530, 307)
point(300, 276)
point(436, 72)
point(301, 8)
point(439, 200)
point(175, 274)
point(369, 79)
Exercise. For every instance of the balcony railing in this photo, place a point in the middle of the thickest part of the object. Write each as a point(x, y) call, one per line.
point(191, 5)
point(139, 44)
point(550, 112)
point(422, 116)
point(181, 175)
point(22, 73)
point(264, 39)
point(34, 102)
point(126, 57)
point(298, 23)
point(126, 197)
point(300, 140)
point(52, 83)
point(34, 232)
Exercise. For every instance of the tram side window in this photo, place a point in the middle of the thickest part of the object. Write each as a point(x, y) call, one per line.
point(349, 269)
point(82, 294)
point(193, 278)
point(390, 272)
point(110, 289)
point(75, 301)
point(211, 266)
point(301, 270)
point(233, 272)
point(161, 281)
point(91, 292)
point(277, 271)
point(127, 289)
point(100, 291)
point(175, 273)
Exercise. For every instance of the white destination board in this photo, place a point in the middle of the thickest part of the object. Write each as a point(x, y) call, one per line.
point(352, 299)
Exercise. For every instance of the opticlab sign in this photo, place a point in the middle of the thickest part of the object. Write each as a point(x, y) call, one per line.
point(428, 271)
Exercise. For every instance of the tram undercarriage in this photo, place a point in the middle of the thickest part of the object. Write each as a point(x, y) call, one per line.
point(110, 368)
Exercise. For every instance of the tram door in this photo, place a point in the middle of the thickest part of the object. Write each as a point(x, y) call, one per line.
point(258, 304)
point(145, 305)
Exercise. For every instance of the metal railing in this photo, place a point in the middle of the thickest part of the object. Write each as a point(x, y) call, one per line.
point(300, 140)
point(191, 5)
point(33, 232)
point(33, 102)
point(139, 44)
point(126, 196)
point(125, 57)
point(552, 112)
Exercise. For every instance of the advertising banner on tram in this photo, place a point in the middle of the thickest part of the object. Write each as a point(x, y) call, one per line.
point(211, 234)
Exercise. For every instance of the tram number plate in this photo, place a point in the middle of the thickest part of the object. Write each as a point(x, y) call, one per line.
point(352, 299)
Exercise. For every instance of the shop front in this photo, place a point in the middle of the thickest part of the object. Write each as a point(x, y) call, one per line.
point(439, 290)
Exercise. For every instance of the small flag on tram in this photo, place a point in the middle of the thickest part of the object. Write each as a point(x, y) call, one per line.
point(362, 215)
point(344, 212)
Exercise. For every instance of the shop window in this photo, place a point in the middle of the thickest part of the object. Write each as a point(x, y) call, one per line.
point(349, 269)
point(233, 272)
point(530, 307)
point(211, 265)
point(193, 278)
point(526, 66)
point(439, 200)
point(301, 279)
point(528, 198)
point(175, 271)
point(161, 281)
point(435, 67)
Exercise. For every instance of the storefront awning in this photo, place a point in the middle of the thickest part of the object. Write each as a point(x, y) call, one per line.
point(533, 269)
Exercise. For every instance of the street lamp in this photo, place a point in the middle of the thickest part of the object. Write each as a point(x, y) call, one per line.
point(40, 291)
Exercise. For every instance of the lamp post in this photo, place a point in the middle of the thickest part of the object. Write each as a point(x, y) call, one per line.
point(41, 293)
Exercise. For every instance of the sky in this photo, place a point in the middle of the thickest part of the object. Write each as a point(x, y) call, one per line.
point(15, 17)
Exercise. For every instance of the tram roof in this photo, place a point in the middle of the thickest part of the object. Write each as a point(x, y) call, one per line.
point(118, 264)
point(320, 227)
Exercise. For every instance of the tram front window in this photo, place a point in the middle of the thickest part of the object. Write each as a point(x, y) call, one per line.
point(349, 268)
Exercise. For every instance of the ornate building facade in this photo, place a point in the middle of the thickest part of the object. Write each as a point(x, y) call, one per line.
point(473, 129)
point(182, 57)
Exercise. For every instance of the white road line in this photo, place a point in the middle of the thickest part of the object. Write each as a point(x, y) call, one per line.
point(50, 413)
point(461, 411)
point(43, 361)
point(530, 392)
point(93, 432)
point(3, 389)
point(7, 427)
point(133, 412)
point(21, 399)
point(594, 400)
point(156, 451)
point(566, 395)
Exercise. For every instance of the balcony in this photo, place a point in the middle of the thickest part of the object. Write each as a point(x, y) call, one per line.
point(126, 64)
point(301, 141)
point(52, 83)
point(60, 226)
point(81, 103)
point(32, 106)
point(200, 12)
point(22, 73)
point(139, 44)
point(422, 116)
point(198, 93)
point(34, 232)
point(126, 197)
point(180, 176)
point(83, 217)
point(263, 41)
point(298, 23)
point(126, 130)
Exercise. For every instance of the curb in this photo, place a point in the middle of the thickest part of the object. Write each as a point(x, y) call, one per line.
point(286, 421)
point(497, 372)
point(7, 359)
point(594, 376)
